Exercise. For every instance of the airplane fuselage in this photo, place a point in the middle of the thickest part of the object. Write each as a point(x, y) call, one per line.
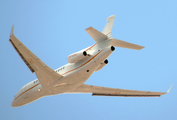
point(74, 75)
point(81, 65)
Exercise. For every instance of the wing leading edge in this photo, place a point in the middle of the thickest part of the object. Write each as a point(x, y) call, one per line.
point(104, 91)
point(96, 35)
point(44, 73)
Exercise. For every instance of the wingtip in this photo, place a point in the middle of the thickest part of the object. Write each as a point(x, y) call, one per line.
point(170, 88)
point(12, 30)
point(141, 47)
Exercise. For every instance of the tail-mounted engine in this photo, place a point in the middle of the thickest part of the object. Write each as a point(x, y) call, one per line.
point(102, 65)
point(76, 57)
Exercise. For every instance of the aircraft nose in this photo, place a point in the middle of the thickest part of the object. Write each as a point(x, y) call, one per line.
point(14, 104)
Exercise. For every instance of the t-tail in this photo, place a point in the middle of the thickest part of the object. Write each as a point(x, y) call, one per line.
point(108, 28)
point(106, 35)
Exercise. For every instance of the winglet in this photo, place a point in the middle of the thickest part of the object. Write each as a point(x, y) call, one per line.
point(170, 88)
point(12, 30)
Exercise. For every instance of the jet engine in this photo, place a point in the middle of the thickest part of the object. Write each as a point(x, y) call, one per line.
point(102, 65)
point(76, 57)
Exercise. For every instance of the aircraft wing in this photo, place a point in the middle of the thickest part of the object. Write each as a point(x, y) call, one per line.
point(44, 73)
point(104, 91)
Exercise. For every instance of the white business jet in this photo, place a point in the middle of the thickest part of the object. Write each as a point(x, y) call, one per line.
point(81, 65)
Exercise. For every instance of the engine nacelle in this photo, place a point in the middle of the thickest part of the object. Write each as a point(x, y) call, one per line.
point(76, 57)
point(102, 65)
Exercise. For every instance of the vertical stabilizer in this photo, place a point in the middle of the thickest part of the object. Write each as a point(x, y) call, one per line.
point(108, 28)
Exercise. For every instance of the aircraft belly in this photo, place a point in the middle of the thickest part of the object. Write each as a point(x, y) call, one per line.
point(76, 78)
point(70, 82)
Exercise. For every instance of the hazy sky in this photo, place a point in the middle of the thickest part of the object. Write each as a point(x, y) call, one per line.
point(54, 29)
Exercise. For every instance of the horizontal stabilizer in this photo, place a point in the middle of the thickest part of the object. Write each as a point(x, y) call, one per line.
point(123, 44)
point(96, 35)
